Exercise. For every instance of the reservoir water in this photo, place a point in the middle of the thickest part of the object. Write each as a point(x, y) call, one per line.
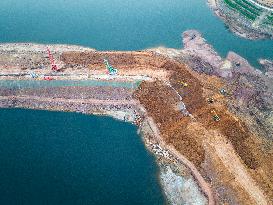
point(121, 25)
point(69, 158)
point(28, 84)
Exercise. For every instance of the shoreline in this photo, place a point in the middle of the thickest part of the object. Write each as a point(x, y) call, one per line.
point(165, 155)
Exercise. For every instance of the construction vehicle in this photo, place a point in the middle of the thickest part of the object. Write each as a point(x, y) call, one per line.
point(48, 78)
point(210, 100)
point(34, 75)
point(183, 83)
point(111, 69)
point(215, 117)
point(52, 61)
point(223, 92)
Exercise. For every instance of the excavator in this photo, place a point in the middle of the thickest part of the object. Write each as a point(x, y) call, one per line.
point(33, 75)
point(111, 69)
point(215, 116)
point(184, 84)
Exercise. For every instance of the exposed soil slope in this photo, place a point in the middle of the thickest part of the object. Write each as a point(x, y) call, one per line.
point(243, 156)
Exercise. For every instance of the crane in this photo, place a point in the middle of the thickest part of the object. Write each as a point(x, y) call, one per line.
point(52, 62)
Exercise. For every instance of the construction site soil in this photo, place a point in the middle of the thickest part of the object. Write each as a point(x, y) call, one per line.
point(235, 160)
point(161, 103)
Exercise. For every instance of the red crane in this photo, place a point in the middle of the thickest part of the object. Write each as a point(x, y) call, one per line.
point(52, 62)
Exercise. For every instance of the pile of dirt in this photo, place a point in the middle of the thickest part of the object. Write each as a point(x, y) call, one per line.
point(195, 100)
point(160, 102)
point(122, 60)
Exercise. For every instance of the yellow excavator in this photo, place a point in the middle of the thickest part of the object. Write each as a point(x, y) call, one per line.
point(215, 116)
point(183, 83)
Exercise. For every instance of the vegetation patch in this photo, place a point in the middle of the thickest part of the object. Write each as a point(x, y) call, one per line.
point(242, 10)
point(249, 11)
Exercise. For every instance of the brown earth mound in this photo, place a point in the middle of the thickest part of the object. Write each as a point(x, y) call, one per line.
point(128, 60)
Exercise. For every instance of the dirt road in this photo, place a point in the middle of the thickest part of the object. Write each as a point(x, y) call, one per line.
point(63, 100)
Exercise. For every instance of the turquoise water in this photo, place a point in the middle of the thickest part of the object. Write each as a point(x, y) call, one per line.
point(121, 25)
point(22, 84)
point(68, 158)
